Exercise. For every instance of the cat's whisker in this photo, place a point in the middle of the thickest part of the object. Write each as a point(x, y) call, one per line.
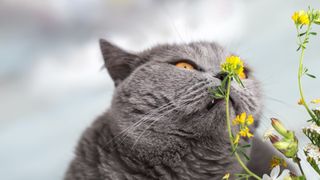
point(274, 113)
point(199, 84)
point(175, 29)
point(185, 96)
point(158, 109)
point(140, 122)
point(194, 100)
point(142, 119)
point(271, 84)
point(185, 102)
point(279, 101)
point(196, 92)
point(265, 123)
point(153, 122)
point(271, 76)
point(124, 136)
point(160, 116)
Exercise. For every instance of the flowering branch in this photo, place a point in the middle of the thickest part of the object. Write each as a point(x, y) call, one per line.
point(312, 151)
point(231, 136)
point(287, 145)
point(232, 69)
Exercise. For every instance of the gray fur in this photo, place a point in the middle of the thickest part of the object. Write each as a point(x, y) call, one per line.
point(158, 125)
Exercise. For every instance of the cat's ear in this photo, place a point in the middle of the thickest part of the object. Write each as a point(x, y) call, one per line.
point(118, 62)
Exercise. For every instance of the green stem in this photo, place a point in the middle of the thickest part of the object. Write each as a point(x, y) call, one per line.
point(300, 71)
point(300, 75)
point(297, 160)
point(298, 34)
point(230, 132)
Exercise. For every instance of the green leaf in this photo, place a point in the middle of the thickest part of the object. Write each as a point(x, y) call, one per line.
point(222, 90)
point(238, 80)
point(301, 34)
point(244, 155)
point(217, 93)
point(299, 48)
point(224, 82)
point(313, 163)
point(310, 75)
point(246, 146)
point(235, 149)
point(242, 176)
point(313, 33)
point(298, 178)
point(218, 96)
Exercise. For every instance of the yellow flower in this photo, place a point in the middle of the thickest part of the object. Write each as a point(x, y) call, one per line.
point(236, 120)
point(233, 64)
point(243, 119)
point(300, 102)
point(250, 120)
point(242, 75)
point(240, 119)
point(300, 17)
point(244, 132)
point(316, 101)
point(277, 161)
point(226, 176)
point(295, 17)
point(236, 140)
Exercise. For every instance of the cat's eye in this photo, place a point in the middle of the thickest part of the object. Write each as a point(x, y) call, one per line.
point(185, 65)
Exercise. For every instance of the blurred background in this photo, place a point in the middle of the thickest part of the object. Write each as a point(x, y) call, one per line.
point(52, 85)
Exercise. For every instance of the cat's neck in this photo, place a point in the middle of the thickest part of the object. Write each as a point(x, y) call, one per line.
point(196, 159)
point(206, 162)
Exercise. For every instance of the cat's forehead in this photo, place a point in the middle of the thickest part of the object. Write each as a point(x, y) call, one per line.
point(205, 54)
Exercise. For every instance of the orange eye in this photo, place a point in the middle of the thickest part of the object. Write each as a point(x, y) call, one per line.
point(184, 65)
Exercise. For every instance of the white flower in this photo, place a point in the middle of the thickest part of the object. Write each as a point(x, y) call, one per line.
point(313, 128)
point(269, 132)
point(274, 175)
point(313, 152)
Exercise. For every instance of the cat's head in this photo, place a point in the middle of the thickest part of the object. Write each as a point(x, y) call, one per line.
point(164, 91)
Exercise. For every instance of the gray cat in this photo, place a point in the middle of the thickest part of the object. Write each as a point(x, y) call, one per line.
point(163, 123)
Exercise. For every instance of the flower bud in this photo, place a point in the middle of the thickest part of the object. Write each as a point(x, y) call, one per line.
point(288, 145)
point(288, 148)
point(277, 125)
point(273, 138)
